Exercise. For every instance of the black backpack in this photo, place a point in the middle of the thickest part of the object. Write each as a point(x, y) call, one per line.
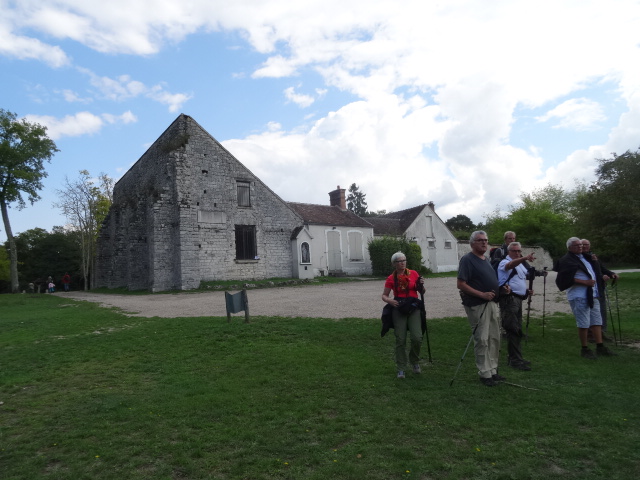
point(497, 255)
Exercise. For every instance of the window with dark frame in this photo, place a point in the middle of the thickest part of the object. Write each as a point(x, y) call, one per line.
point(244, 194)
point(246, 242)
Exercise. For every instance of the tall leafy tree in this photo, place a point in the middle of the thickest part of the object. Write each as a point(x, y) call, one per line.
point(356, 201)
point(24, 147)
point(543, 217)
point(46, 254)
point(461, 226)
point(608, 211)
point(85, 202)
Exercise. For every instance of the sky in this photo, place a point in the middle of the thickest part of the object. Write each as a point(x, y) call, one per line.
point(465, 103)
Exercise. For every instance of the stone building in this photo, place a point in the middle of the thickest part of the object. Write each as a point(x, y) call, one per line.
point(187, 212)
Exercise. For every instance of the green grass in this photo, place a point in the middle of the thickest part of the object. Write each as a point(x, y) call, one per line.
point(91, 394)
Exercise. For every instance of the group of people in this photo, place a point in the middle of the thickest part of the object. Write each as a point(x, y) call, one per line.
point(493, 291)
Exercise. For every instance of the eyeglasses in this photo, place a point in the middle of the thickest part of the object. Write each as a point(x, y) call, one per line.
point(400, 261)
point(515, 251)
point(576, 245)
point(482, 240)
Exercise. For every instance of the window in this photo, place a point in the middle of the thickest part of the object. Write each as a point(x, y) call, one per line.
point(447, 244)
point(246, 242)
point(432, 244)
point(244, 194)
point(355, 246)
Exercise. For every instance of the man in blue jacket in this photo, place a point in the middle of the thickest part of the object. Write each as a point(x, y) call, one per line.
point(577, 276)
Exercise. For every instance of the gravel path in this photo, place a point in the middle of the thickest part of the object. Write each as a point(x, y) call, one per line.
point(359, 299)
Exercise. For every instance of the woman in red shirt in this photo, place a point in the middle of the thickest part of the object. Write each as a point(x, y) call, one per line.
point(405, 284)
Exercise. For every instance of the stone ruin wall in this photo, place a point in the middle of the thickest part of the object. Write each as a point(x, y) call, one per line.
point(172, 223)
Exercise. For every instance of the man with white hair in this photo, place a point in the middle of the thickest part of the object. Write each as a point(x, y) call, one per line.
point(577, 276)
point(512, 272)
point(478, 287)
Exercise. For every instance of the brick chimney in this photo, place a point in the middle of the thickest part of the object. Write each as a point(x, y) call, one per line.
point(337, 199)
point(432, 206)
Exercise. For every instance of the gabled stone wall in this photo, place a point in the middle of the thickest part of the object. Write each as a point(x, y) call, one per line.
point(172, 222)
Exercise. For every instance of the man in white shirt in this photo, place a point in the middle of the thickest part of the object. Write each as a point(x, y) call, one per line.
point(512, 272)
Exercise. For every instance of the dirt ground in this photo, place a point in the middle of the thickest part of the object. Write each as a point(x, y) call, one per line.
point(359, 299)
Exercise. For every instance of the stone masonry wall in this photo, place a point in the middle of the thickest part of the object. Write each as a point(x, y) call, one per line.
point(172, 222)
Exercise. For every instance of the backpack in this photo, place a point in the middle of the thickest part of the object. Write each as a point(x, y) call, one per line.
point(497, 255)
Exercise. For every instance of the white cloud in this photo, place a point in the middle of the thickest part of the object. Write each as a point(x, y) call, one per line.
point(439, 83)
point(26, 48)
point(82, 123)
point(299, 99)
point(124, 88)
point(576, 114)
point(72, 97)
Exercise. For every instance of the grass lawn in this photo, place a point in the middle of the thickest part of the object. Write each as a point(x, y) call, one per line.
point(88, 393)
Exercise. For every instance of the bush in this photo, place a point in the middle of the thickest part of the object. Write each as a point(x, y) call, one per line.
point(381, 250)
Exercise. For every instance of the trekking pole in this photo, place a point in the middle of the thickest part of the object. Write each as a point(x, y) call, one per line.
point(613, 322)
point(532, 274)
point(423, 314)
point(465, 352)
point(544, 297)
point(614, 285)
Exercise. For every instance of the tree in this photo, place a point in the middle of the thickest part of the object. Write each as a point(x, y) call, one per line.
point(377, 213)
point(45, 253)
point(356, 201)
point(24, 147)
point(543, 218)
point(461, 226)
point(608, 211)
point(85, 202)
point(4, 269)
point(460, 222)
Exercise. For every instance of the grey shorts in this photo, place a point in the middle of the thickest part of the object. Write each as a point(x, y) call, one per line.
point(585, 316)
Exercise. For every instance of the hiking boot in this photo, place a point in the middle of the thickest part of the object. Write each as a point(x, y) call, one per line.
point(587, 353)
point(605, 352)
point(416, 368)
point(520, 366)
point(498, 378)
point(489, 382)
point(515, 361)
point(400, 373)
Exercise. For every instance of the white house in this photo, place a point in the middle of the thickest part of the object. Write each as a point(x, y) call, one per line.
point(332, 241)
point(423, 226)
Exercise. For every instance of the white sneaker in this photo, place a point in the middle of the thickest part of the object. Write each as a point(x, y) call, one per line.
point(416, 368)
point(400, 373)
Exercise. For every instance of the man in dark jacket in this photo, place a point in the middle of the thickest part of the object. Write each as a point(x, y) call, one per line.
point(577, 276)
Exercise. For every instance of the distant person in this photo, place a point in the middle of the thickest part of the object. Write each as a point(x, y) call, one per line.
point(405, 285)
point(50, 285)
point(501, 252)
point(602, 278)
point(478, 285)
point(577, 276)
point(66, 280)
point(513, 273)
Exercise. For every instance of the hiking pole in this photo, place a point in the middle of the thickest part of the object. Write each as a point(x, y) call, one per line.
point(544, 297)
point(423, 314)
point(532, 274)
point(614, 285)
point(613, 322)
point(465, 352)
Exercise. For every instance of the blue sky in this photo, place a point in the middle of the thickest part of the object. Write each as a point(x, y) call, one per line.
point(463, 103)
